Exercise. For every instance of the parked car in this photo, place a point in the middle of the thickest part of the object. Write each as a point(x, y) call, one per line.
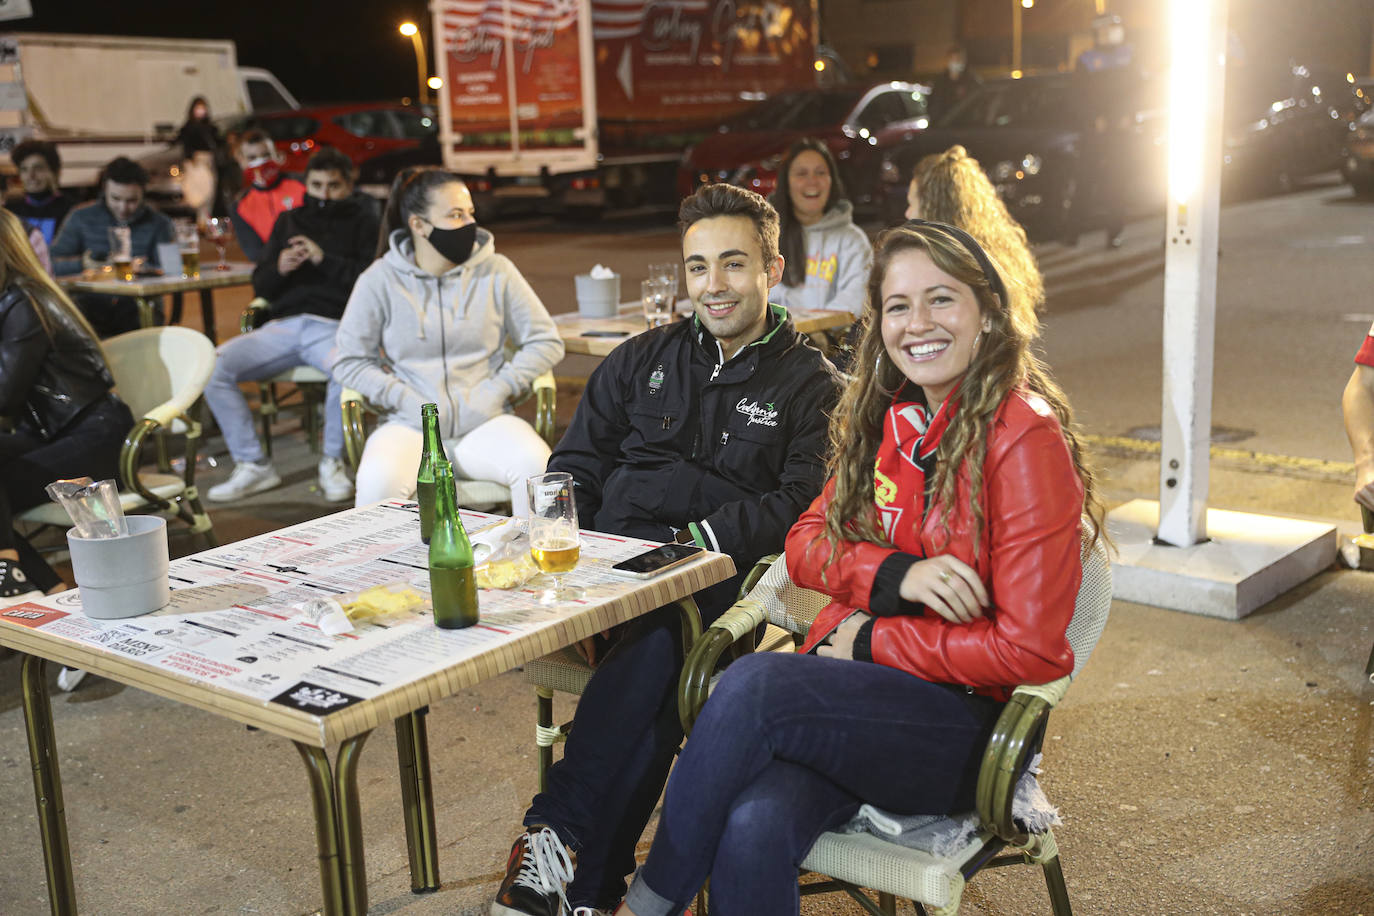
point(1357, 155)
point(850, 120)
point(360, 131)
point(1282, 125)
point(379, 137)
point(1060, 148)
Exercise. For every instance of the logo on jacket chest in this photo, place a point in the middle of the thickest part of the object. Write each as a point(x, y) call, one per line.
point(656, 380)
point(765, 415)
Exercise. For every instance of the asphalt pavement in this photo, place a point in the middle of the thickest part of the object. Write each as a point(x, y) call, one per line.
point(1200, 766)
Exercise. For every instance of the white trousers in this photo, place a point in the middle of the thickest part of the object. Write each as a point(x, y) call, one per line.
point(505, 449)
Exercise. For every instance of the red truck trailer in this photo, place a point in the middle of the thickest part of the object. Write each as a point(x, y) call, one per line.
point(577, 105)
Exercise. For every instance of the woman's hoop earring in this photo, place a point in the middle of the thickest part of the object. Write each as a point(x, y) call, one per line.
point(878, 376)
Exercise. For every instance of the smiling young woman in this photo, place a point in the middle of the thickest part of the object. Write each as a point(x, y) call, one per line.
point(826, 255)
point(952, 593)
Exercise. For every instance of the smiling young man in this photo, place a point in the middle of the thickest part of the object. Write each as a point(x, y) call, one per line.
point(710, 431)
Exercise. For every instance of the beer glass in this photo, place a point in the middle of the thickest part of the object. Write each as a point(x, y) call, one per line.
point(554, 541)
point(122, 252)
point(188, 240)
point(218, 229)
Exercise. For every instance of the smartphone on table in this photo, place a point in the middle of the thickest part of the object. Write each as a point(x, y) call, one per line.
point(650, 563)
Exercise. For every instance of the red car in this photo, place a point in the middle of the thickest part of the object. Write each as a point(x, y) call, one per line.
point(361, 131)
point(848, 119)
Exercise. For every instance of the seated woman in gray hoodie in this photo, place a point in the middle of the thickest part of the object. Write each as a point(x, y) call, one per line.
point(827, 257)
point(441, 317)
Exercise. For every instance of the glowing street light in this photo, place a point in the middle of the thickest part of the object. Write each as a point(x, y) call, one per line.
point(412, 31)
point(1197, 71)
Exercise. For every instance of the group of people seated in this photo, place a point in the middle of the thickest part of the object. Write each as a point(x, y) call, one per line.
point(936, 490)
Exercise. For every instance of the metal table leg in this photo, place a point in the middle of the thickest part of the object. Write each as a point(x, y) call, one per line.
point(145, 312)
point(47, 787)
point(207, 314)
point(417, 800)
point(177, 302)
point(338, 826)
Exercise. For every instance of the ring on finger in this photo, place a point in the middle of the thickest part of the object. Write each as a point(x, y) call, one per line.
point(944, 575)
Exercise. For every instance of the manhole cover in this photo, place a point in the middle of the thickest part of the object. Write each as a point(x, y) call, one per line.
point(1219, 433)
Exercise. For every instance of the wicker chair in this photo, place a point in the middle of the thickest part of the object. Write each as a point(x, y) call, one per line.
point(853, 861)
point(474, 494)
point(160, 373)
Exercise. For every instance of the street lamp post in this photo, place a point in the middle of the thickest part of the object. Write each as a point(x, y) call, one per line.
point(1016, 7)
point(412, 31)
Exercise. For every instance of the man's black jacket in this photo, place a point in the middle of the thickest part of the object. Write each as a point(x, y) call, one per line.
point(665, 438)
point(347, 231)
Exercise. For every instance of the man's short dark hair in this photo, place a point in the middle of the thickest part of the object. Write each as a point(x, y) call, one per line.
point(254, 135)
point(37, 148)
point(328, 159)
point(125, 171)
point(727, 200)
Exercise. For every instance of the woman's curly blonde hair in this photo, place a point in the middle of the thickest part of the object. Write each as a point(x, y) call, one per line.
point(1004, 361)
point(952, 188)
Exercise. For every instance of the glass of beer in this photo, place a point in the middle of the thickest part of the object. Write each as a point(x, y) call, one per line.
point(122, 252)
point(188, 240)
point(219, 230)
point(554, 541)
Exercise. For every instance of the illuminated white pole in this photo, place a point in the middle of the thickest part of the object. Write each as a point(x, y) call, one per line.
point(1198, 32)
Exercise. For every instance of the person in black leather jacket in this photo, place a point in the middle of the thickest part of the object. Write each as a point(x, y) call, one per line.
point(60, 414)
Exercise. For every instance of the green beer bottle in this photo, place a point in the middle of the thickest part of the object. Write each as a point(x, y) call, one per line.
point(452, 585)
point(432, 452)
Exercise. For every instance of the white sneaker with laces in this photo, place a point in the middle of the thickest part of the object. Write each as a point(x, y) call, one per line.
point(246, 480)
point(334, 482)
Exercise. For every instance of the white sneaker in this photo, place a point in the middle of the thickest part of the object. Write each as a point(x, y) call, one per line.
point(69, 679)
point(334, 482)
point(246, 480)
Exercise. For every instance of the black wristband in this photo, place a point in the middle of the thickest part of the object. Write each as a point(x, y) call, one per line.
point(863, 641)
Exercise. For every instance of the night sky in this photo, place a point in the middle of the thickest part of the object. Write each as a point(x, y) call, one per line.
point(322, 50)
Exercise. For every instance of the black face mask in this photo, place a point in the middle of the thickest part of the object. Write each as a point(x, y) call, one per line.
point(454, 244)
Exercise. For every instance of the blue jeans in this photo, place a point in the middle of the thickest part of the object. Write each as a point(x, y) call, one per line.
point(281, 344)
point(788, 747)
point(616, 760)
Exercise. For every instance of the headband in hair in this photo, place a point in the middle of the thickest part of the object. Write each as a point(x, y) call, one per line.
point(973, 248)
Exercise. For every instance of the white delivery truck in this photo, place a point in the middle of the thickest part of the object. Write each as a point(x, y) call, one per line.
point(98, 97)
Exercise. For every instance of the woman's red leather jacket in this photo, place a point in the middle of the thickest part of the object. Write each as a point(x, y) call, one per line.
point(1028, 558)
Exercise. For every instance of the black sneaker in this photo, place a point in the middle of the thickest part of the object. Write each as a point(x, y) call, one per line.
point(14, 585)
point(538, 868)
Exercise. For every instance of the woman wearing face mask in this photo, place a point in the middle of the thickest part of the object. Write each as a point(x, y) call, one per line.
point(200, 144)
point(948, 538)
point(826, 255)
point(459, 326)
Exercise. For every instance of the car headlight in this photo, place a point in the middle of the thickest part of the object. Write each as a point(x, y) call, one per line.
point(1003, 170)
point(1031, 163)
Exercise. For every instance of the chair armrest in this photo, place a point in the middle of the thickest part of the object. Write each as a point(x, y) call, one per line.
point(254, 315)
point(545, 407)
point(738, 622)
point(1017, 734)
point(756, 573)
point(353, 407)
point(128, 461)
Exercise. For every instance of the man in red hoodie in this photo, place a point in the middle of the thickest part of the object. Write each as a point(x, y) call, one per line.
point(267, 192)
